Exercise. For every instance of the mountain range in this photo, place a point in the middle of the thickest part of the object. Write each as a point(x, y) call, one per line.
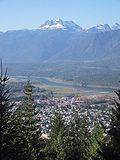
point(58, 40)
point(70, 25)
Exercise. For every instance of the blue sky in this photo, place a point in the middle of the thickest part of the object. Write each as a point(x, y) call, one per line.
point(20, 14)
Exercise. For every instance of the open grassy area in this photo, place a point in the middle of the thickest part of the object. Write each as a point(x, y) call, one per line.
point(61, 87)
point(59, 91)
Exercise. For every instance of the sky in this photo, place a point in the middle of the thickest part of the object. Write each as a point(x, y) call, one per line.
point(30, 14)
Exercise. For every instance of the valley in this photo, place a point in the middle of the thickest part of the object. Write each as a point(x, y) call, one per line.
point(60, 87)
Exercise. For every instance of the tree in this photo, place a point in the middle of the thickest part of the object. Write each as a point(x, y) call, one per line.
point(56, 145)
point(111, 149)
point(78, 139)
point(97, 140)
point(26, 131)
point(5, 115)
point(115, 128)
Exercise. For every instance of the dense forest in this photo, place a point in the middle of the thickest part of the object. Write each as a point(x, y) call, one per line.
point(20, 132)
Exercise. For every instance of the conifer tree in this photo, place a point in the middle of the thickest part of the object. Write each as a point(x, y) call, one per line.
point(56, 145)
point(31, 125)
point(27, 142)
point(78, 139)
point(115, 128)
point(111, 149)
point(5, 115)
point(97, 140)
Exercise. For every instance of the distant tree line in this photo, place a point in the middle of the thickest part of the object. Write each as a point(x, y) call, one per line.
point(20, 132)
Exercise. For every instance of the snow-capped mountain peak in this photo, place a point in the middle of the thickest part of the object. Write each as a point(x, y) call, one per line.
point(51, 24)
point(116, 26)
point(104, 27)
point(59, 20)
point(60, 24)
point(100, 28)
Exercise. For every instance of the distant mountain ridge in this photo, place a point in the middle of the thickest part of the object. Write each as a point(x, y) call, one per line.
point(60, 24)
point(58, 40)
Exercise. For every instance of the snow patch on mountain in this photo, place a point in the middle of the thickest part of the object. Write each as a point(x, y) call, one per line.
point(60, 24)
point(116, 26)
point(51, 24)
point(100, 28)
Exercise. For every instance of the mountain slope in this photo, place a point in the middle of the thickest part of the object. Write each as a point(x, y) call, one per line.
point(60, 41)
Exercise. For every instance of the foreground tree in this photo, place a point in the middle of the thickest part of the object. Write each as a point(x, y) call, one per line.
point(97, 141)
point(27, 142)
point(111, 148)
point(5, 116)
point(56, 145)
point(78, 139)
point(115, 128)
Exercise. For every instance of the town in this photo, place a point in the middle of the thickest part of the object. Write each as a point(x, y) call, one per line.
point(96, 108)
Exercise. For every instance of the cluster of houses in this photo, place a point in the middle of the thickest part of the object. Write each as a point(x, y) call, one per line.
point(97, 109)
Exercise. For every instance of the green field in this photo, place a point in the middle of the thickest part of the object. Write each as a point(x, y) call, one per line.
point(61, 87)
